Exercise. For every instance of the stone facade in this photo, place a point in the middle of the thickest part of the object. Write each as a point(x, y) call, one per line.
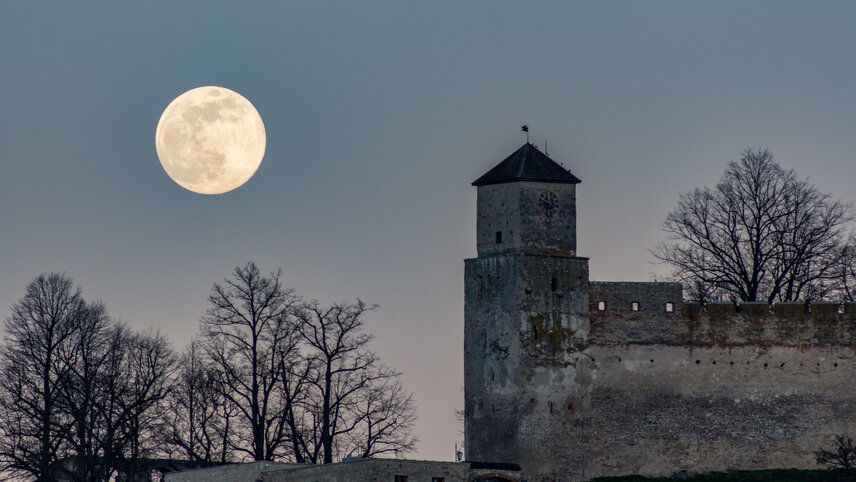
point(363, 470)
point(574, 379)
point(249, 472)
point(512, 211)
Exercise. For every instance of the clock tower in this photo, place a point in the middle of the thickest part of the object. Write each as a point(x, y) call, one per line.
point(526, 369)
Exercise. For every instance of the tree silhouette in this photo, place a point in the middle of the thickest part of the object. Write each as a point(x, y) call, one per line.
point(250, 333)
point(760, 234)
point(39, 329)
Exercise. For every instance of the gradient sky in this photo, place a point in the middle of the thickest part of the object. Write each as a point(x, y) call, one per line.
point(378, 117)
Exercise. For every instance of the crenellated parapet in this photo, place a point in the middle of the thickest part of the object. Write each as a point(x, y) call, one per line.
point(760, 324)
point(652, 313)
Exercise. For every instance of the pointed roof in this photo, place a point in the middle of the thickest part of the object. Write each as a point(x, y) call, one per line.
point(527, 164)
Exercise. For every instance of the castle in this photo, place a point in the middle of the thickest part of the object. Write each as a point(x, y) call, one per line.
point(573, 379)
point(567, 379)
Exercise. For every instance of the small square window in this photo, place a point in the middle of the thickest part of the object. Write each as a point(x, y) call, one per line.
point(669, 307)
point(634, 306)
point(601, 305)
point(499, 237)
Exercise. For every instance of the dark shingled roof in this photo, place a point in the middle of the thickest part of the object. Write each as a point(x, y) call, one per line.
point(527, 164)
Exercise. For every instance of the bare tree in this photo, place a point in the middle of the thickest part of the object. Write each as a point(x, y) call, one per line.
point(249, 332)
point(40, 326)
point(300, 378)
point(114, 383)
point(761, 234)
point(77, 390)
point(842, 456)
point(844, 272)
point(195, 420)
point(295, 388)
point(353, 399)
point(385, 415)
point(148, 372)
point(87, 357)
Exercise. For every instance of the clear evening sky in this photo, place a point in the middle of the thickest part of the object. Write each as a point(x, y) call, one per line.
point(378, 117)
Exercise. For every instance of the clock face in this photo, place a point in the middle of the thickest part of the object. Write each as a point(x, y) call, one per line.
point(548, 203)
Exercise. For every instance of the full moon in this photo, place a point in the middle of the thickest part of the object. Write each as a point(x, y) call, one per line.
point(210, 140)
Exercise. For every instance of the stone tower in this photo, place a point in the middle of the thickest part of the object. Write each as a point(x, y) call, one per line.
point(526, 318)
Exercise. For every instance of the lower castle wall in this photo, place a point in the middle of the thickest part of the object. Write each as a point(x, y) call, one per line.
point(708, 409)
point(702, 388)
point(673, 386)
point(656, 410)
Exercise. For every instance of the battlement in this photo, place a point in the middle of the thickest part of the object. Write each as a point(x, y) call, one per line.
point(636, 313)
point(650, 313)
point(760, 324)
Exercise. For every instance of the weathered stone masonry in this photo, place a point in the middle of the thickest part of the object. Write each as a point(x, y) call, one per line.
point(573, 379)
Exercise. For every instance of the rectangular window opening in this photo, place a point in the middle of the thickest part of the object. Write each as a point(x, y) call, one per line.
point(601, 305)
point(634, 306)
point(669, 307)
point(400, 478)
point(499, 237)
point(554, 283)
point(438, 479)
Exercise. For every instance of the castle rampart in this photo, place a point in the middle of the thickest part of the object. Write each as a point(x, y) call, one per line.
point(574, 379)
point(653, 313)
point(713, 387)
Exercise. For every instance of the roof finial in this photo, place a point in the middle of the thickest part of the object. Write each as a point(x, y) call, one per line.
point(525, 128)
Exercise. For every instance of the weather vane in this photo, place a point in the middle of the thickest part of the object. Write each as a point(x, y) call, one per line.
point(525, 128)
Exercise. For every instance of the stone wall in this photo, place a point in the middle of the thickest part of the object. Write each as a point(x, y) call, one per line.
point(759, 324)
point(513, 210)
point(702, 388)
point(381, 470)
point(526, 325)
point(249, 472)
point(656, 409)
point(613, 320)
point(364, 470)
